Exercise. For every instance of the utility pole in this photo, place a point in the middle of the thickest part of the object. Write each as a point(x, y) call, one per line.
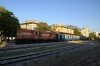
point(26, 23)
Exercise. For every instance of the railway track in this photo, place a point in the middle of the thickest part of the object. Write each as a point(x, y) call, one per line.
point(92, 58)
point(81, 59)
point(24, 57)
point(29, 47)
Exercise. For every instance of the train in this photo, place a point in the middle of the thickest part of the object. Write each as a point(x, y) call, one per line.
point(26, 36)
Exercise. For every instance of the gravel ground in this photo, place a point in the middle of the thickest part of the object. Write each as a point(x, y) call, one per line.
point(93, 60)
point(47, 60)
point(64, 53)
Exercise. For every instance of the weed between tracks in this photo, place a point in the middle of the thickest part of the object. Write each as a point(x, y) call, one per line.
point(66, 57)
point(79, 51)
point(59, 58)
point(40, 49)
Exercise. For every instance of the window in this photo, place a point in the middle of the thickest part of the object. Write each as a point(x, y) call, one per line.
point(35, 33)
point(65, 36)
point(40, 34)
point(68, 36)
point(72, 36)
point(61, 27)
point(50, 34)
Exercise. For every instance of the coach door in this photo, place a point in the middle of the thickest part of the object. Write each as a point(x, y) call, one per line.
point(60, 37)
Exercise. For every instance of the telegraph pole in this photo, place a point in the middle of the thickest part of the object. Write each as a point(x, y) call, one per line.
point(26, 23)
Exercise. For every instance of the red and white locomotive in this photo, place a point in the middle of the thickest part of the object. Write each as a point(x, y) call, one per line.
point(31, 36)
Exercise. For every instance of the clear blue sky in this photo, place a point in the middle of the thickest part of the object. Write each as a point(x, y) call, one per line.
point(81, 13)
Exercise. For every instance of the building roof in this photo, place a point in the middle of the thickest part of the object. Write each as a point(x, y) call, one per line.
point(30, 22)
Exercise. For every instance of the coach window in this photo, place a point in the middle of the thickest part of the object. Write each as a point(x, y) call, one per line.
point(38, 33)
point(33, 33)
point(66, 36)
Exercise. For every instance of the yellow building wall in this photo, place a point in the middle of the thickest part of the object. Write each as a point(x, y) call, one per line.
point(72, 31)
point(63, 29)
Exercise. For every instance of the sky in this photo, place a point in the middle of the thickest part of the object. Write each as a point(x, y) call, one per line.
point(81, 13)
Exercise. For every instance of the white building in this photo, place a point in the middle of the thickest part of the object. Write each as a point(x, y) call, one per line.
point(29, 24)
point(85, 32)
point(97, 34)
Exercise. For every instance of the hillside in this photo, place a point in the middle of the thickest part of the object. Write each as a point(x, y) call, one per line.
point(73, 27)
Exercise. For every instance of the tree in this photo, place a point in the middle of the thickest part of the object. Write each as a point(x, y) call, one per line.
point(8, 23)
point(76, 32)
point(43, 26)
point(99, 34)
point(92, 36)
